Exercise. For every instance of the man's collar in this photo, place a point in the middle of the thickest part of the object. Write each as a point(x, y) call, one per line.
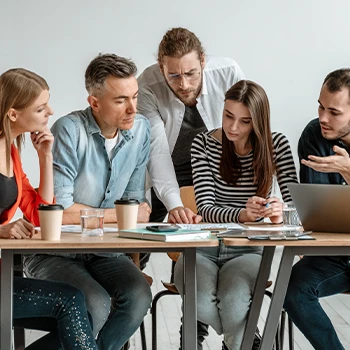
point(127, 134)
point(204, 90)
point(91, 125)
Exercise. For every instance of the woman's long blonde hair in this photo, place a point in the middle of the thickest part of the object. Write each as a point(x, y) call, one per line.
point(19, 88)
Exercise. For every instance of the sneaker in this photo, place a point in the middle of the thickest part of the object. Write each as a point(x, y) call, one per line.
point(256, 343)
point(202, 332)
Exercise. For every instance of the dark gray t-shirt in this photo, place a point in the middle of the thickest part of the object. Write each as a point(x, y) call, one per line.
point(8, 193)
point(191, 126)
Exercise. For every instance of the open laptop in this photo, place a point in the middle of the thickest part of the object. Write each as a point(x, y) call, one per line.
point(322, 208)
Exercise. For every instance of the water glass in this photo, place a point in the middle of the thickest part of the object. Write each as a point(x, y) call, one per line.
point(290, 215)
point(92, 222)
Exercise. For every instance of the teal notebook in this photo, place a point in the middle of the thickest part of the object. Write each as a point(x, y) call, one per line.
point(176, 236)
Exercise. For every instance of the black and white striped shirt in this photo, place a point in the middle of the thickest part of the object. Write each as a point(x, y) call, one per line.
point(217, 201)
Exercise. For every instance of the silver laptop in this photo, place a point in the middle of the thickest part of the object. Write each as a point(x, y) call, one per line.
point(322, 208)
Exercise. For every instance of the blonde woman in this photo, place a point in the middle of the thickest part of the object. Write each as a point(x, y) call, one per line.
point(54, 307)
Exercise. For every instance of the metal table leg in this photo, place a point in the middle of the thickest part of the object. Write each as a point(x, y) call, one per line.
point(260, 285)
point(189, 337)
point(278, 296)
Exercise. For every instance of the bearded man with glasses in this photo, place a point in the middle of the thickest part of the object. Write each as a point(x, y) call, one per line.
point(182, 95)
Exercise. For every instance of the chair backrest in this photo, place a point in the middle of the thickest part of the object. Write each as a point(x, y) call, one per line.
point(189, 201)
point(188, 198)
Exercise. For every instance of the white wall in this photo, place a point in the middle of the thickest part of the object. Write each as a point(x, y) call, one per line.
point(286, 46)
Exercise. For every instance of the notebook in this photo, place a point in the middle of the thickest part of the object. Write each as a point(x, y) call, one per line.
point(271, 235)
point(211, 226)
point(322, 208)
point(176, 236)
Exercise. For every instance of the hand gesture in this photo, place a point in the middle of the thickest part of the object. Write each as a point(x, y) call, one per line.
point(42, 142)
point(181, 215)
point(144, 212)
point(338, 163)
point(18, 229)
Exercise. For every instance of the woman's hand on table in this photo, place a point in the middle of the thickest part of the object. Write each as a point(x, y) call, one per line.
point(273, 210)
point(18, 229)
point(259, 207)
point(254, 209)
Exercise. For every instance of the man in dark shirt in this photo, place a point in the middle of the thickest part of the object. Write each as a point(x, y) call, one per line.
point(324, 156)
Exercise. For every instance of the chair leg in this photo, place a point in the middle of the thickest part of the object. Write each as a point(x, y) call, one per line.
point(282, 327)
point(143, 336)
point(154, 314)
point(291, 334)
point(279, 337)
point(19, 338)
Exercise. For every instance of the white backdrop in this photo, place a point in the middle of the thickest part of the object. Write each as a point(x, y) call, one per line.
point(286, 46)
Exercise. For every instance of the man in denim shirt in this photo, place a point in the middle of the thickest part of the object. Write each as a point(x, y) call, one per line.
point(324, 154)
point(100, 155)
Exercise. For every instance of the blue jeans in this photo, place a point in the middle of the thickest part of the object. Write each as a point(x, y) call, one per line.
point(314, 277)
point(54, 307)
point(225, 284)
point(100, 279)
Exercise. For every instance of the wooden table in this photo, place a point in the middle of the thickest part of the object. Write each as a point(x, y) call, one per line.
point(110, 242)
point(325, 244)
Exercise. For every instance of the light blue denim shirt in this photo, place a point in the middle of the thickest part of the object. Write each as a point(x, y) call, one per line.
point(83, 172)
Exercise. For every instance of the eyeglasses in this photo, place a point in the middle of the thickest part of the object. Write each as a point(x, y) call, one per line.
point(176, 78)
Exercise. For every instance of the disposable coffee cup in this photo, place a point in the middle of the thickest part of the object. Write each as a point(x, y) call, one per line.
point(290, 215)
point(50, 216)
point(127, 210)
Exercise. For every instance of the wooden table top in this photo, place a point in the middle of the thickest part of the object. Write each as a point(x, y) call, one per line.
point(108, 240)
point(323, 239)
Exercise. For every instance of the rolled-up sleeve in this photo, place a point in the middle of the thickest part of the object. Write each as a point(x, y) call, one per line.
point(65, 160)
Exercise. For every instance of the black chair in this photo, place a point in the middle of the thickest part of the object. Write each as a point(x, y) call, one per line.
point(170, 289)
point(290, 331)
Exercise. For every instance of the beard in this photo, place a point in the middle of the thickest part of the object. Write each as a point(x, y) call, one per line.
point(339, 134)
point(189, 96)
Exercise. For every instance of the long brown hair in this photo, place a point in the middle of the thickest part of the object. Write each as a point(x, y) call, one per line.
point(255, 99)
point(19, 88)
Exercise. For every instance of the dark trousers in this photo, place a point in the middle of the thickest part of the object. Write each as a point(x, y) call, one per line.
point(54, 307)
point(314, 277)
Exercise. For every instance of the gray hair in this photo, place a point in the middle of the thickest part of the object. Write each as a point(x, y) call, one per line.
point(103, 66)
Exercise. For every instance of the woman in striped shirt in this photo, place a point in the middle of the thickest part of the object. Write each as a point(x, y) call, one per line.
point(233, 169)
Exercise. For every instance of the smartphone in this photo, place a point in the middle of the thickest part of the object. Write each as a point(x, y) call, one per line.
point(162, 228)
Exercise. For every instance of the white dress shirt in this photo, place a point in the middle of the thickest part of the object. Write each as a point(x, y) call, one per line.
point(166, 112)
